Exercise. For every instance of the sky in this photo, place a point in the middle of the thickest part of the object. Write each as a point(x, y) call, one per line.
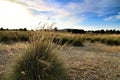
point(77, 14)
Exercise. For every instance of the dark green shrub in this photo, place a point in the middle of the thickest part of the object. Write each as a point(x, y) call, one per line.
point(97, 39)
point(68, 41)
point(113, 42)
point(23, 37)
point(109, 42)
point(64, 40)
point(77, 42)
point(92, 40)
point(103, 40)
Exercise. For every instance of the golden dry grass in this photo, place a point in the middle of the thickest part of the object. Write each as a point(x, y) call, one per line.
point(37, 61)
point(93, 61)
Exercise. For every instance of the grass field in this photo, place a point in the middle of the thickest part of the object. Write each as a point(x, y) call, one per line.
point(91, 61)
point(61, 37)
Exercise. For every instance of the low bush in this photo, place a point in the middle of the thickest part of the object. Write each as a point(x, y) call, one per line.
point(68, 41)
point(92, 40)
point(13, 36)
point(77, 42)
point(112, 41)
point(38, 62)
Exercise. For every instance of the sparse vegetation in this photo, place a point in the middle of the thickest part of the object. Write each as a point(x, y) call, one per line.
point(62, 37)
point(13, 36)
point(93, 61)
point(109, 39)
point(38, 62)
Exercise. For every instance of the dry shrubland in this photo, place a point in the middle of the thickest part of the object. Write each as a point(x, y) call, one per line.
point(91, 61)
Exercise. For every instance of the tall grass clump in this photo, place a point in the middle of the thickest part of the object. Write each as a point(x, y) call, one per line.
point(74, 41)
point(38, 62)
point(113, 42)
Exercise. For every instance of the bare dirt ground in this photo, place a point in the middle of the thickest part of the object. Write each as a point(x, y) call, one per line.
point(93, 61)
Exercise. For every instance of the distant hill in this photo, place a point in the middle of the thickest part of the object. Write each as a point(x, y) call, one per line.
point(75, 30)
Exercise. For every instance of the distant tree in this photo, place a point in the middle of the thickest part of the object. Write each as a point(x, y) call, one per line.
point(78, 31)
point(7, 29)
point(25, 29)
point(114, 31)
point(102, 31)
point(55, 29)
point(117, 32)
point(75, 31)
point(107, 31)
point(20, 29)
point(96, 31)
point(1, 28)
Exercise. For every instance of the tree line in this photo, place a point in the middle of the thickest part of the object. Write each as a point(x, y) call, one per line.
point(76, 31)
point(106, 31)
point(20, 29)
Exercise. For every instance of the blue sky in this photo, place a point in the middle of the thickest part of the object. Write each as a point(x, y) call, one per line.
point(82, 14)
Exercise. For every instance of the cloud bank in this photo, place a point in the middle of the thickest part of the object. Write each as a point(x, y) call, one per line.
point(74, 13)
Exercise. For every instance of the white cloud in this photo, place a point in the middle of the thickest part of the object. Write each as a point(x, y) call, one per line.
point(13, 15)
point(69, 12)
point(55, 11)
point(108, 18)
point(118, 16)
point(55, 8)
point(67, 15)
point(95, 6)
point(112, 18)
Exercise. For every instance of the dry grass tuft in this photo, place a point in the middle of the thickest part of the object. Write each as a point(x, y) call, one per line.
point(37, 62)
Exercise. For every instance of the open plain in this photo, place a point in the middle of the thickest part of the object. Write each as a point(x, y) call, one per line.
point(93, 61)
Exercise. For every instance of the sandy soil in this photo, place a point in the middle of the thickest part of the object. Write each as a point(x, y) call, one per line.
point(93, 61)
